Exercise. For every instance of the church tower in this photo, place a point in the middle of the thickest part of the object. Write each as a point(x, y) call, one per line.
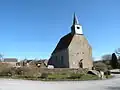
point(76, 28)
point(72, 50)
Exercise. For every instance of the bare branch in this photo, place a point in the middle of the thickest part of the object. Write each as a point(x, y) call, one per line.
point(117, 51)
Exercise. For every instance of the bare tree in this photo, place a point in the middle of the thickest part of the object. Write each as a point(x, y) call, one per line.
point(100, 66)
point(107, 57)
point(117, 51)
point(1, 57)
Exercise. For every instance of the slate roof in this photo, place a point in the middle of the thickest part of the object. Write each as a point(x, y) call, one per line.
point(63, 43)
point(10, 60)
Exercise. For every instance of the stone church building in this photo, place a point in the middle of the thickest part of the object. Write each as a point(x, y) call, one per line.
point(73, 50)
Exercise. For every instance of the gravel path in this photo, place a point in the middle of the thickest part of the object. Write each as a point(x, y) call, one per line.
point(111, 84)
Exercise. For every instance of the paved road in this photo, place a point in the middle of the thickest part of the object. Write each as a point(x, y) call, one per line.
point(111, 84)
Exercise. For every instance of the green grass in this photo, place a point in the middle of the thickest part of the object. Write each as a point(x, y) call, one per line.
point(57, 77)
point(68, 77)
point(89, 77)
point(109, 76)
point(60, 77)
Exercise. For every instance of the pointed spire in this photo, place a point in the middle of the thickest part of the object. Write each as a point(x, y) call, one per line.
point(75, 20)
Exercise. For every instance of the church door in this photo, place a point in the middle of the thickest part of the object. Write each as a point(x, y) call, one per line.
point(80, 64)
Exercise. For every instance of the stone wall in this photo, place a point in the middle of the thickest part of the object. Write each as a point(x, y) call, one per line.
point(57, 61)
point(63, 70)
point(80, 49)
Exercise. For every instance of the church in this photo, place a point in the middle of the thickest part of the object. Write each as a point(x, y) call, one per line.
point(73, 50)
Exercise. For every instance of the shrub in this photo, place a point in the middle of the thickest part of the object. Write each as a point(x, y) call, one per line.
point(5, 69)
point(34, 73)
point(109, 67)
point(44, 75)
point(107, 73)
point(100, 66)
point(18, 71)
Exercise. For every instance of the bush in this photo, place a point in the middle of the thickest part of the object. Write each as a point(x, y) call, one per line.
point(109, 67)
point(44, 75)
point(107, 73)
point(34, 73)
point(100, 66)
point(18, 71)
point(5, 69)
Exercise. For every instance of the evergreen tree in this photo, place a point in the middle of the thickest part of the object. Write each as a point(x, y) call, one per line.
point(114, 62)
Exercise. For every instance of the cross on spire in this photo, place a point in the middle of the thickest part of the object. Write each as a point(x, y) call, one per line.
point(75, 20)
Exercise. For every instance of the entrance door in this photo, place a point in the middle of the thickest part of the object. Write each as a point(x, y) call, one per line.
point(81, 63)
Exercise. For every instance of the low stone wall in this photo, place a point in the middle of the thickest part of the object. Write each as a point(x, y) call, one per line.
point(62, 70)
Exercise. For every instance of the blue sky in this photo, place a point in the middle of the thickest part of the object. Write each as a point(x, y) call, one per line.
point(32, 28)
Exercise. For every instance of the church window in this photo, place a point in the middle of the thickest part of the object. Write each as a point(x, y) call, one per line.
point(56, 58)
point(62, 58)
point(78, 27)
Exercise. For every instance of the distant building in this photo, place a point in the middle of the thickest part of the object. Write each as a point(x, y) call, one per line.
point(73, 50)
point(38, 63)
point(11, 61)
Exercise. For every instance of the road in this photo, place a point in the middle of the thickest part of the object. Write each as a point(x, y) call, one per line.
point(111, 84)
